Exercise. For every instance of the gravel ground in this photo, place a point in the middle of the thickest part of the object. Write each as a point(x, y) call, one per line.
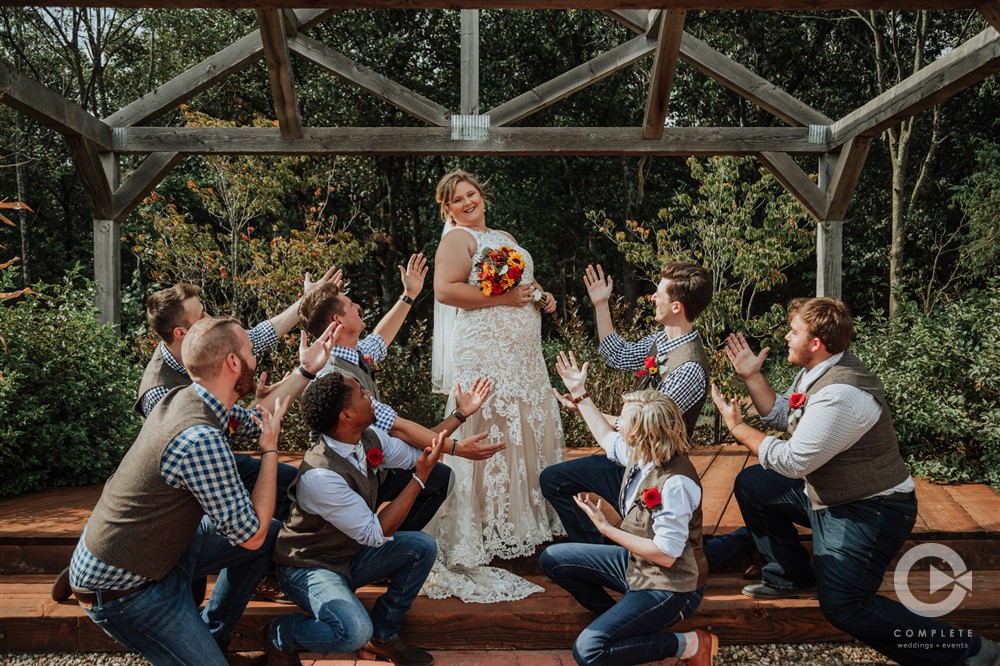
point(814, 654)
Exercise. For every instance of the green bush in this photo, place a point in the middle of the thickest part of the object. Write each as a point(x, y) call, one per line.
point(942, 376)
point(67, 386)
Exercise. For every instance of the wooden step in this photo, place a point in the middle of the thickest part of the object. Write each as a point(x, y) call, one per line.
point(32, 622)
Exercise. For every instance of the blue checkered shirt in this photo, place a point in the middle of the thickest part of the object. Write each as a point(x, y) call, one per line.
point(374, 347)
point(262, 336)
point(199, 460)
point(686, 385)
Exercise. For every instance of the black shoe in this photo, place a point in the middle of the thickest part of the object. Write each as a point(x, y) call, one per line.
point(396, 651)
point(268, 589)
point(764, 591)
point(276, 657)
point(61, 591)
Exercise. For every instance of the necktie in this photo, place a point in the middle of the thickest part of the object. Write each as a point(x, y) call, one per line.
point(625, 487)
point(359, 453)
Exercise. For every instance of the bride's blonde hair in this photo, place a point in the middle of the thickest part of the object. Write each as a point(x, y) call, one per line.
point(653, 427)
point(446, 188)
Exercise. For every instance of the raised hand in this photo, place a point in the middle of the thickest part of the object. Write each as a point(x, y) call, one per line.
point(413, 275)
point(566, 400)
point(270, 424)
point(469, 403)
point(313, 357)
point(593, 511)
point(574, 377)
point(478, 447)
point(332, 275)
point(430, 456)
point(598, 286)
point(264, 389)
point(744, 361)
point(730, 410)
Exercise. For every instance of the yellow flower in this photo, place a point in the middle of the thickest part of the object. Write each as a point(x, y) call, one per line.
point(487, 287)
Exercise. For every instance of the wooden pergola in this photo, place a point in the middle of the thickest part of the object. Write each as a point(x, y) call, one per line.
point(839, 145)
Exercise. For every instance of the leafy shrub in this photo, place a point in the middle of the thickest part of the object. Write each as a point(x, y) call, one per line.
point(942, 375)
point(67, 385)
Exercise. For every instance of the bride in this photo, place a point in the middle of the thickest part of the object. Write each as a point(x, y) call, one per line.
point(495, 508)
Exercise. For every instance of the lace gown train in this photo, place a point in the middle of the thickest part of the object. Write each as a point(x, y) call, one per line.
point(496, 508)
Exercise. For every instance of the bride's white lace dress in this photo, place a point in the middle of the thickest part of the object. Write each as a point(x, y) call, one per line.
point(496, 508)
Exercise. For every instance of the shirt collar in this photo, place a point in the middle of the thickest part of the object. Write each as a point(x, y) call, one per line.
point(218, 408)
point(171, 362)
point(349, 354)
point(807, 377)
point(664, 346)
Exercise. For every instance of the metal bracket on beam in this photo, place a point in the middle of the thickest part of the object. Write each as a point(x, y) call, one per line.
point(470, 127)
point(818, 133)
point(119, 138)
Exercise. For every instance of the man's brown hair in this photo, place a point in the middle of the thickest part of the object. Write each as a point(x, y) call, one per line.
point(207, 344)
point(828, 319)
point(318, 307)
point(690, 284)
point(165, 309)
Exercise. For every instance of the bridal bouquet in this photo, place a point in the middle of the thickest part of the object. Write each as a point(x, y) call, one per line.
point(499, 270)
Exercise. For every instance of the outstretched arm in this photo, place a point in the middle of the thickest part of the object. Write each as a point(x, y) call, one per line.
point(575, 378)
point(413, 282)
point(599, 289)
point(743, 432)
point(393, 515)
point(748, 365)
point(641, 546)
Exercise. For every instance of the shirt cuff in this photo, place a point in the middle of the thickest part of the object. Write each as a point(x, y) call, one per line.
point(373, 345)
point(385, 416)
point(610, 345)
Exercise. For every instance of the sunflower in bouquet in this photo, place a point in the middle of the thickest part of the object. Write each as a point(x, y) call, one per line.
point(500, 270)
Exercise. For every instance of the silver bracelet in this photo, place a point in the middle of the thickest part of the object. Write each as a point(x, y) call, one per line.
point(417, 479)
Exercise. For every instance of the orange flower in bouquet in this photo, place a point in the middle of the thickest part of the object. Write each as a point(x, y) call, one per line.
point(500, 270)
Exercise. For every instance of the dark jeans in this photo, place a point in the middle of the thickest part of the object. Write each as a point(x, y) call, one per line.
point(428, 501)
point(853, 545)
point(629, 631)
point(249, 469)
point(598, 474)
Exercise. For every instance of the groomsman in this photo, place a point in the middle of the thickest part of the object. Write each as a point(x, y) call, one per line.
point(176, 510)
point(672, 361)
point(840, 473)
point(336, 541)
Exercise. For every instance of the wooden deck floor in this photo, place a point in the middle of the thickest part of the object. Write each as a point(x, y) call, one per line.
point(39, 530)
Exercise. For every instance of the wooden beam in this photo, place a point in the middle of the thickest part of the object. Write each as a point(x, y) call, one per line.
point(49, 108)
point(664, 68)
point(93, 177)
point(141, 182)
point(635, 20)
point(712, 5)
point(279, 71)
point(677, 141)
point(108, 270)
point(795, 180)
point(380, 86)
point(571, 81)
point(745, 83)
point(960, 68)
point(469, 97)
point(991, 12)
point(845, 176)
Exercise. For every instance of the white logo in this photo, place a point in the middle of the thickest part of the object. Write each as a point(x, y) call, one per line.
point(960, 578)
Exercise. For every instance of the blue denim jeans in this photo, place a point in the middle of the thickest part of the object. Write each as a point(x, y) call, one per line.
point(162, 621)
point(249, 469)
point(337, 621)
point(853, 545)
point(597, 474)
point(629, 631)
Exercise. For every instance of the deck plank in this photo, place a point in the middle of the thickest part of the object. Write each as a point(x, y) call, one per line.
point(940, 510)
point(717, 485)
point(980, 501)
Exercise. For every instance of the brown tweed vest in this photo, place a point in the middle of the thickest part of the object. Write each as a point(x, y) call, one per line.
point(158, 373)
point(693, 351)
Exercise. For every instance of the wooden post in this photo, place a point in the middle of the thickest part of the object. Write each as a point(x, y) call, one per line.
point(829, 241)
point(107, 254)
point(470, 62)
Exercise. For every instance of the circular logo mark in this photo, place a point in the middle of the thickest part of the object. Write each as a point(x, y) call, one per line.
point(960, 578)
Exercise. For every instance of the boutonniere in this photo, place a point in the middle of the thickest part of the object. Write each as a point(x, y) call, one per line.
point(797, 403)
point(374, 458)
point(234, 425)
point(650, 500)
point(650, 367)
point(371, 364)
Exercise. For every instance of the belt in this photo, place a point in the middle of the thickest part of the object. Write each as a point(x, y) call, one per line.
point(89, 598)
point(897, 497)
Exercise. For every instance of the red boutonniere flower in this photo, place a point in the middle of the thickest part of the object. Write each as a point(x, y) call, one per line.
point(641, 373)
point(796, 400)
point(374, 458)
point(234, 425)
point(650, 367)
point(650, 499)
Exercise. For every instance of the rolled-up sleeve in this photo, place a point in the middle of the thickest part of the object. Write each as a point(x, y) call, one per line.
point(680, 496)
point(623, 355)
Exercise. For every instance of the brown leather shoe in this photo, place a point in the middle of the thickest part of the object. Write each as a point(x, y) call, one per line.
point(61, 591)
point(268, 589)
point(276, 657)
point(708, 649)
point(245, 658)
point(396, 651)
